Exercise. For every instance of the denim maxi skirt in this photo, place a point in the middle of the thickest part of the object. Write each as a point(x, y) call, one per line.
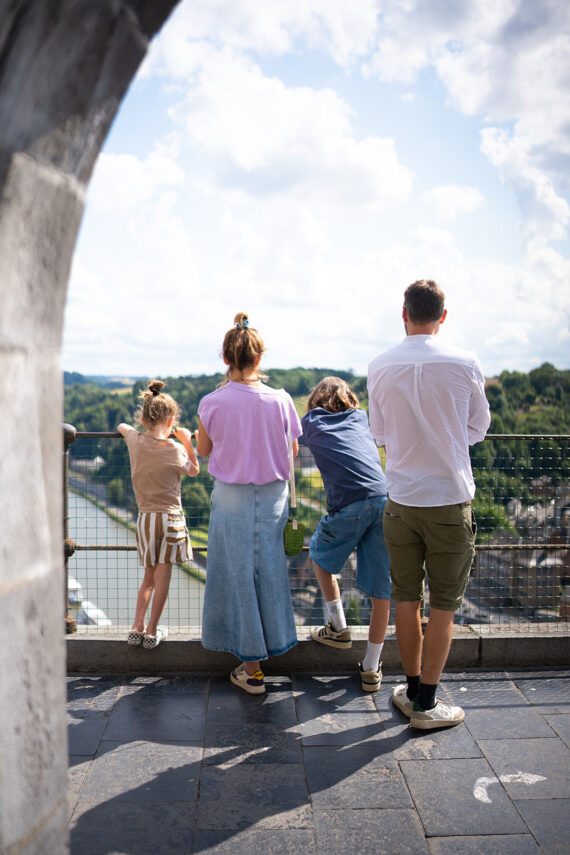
point(247, 602)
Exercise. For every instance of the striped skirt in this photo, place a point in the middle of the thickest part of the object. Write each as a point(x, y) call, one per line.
point(162, 539)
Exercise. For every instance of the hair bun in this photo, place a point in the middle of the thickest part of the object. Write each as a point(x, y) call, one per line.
point(155, 387)
point(241, 321)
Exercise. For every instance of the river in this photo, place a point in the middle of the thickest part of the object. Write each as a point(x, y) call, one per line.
point(110, 579)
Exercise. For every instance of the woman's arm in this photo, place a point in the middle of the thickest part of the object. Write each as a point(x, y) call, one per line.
point(295, 445)
point(123, 429)
point(203, 442)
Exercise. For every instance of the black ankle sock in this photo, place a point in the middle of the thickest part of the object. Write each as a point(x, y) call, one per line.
point(413, 687)
point(426, 696)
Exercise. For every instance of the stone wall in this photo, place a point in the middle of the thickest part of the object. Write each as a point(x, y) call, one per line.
point(65, 65)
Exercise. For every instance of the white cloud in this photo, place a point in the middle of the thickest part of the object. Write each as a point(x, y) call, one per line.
point(270, 138)
point(450, 201)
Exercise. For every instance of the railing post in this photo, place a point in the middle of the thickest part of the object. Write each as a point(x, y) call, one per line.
point(69, 436)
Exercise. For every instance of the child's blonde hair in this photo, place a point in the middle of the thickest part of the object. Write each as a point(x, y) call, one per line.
point(333, 394)
point(243, 346)
point(156, 405)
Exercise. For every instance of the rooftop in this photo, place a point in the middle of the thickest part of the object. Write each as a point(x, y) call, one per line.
point(190, 764)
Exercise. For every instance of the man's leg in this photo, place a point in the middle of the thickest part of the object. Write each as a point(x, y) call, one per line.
point(331, 595)
point(409, 636)
point(436, 645)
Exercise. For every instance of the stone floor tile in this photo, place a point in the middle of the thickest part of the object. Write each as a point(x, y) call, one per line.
point(446, 794)
point(355, 776)
point(409, 743)
point(561, 725)
point(548, 822)
point(280, 841)
point(77, 774)
point(547, 761)
point(124, 827)
point(491, 844)
point(369, 832)
point(335, 711)
point(265, 795)
point(251, 743)
point(159, 715)
point(506, 723)
point(84, 735)
point(229, 703)
point(92, 695)
point(484, 694)
point(549, 691)
point(143, 772)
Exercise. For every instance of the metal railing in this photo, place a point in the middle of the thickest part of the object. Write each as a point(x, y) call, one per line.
point(518, 580)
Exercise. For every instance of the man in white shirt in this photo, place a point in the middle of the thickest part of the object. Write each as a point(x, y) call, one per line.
point(427, 405)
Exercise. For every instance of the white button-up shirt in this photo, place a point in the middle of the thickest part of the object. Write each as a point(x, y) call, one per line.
point(427, 406)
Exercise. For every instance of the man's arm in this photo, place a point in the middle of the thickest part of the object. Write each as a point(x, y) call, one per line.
point(479, 410)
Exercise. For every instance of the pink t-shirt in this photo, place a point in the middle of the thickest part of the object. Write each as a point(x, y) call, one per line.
point(248, 428)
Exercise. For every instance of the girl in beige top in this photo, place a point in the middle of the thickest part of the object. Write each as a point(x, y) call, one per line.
point(157, 464)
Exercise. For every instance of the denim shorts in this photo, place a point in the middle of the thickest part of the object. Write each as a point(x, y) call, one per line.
point(442, 538)
point(356, 526)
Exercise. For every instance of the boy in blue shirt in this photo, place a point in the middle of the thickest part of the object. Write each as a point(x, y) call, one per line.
point(335, 429)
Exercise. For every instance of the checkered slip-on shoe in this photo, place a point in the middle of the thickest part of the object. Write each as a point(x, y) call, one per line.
point(151, 641)
point(135, 638)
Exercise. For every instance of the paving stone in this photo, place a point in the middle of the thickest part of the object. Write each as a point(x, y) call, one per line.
point(408, 743)
point(356, 776)
point(282, 841)
point(561, 725)
point(506, 723)
point(77, 773)
point(92, 696)
point(123, 828)
point(84, 735)
point(491, 844)
point(229, 703)
point(445, 795)
point(335, 711)
point(548, 822)
point(513, 760)
point(252, 743)
point(484, 694)
point(142, 772)
point(369, 832)
point(549, 692)
point(159, 715)
point(267, 795)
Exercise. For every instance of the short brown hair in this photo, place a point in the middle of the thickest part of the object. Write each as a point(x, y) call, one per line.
point(333, 394)
point(156, 405)
point(243, 345)
point(424, 301)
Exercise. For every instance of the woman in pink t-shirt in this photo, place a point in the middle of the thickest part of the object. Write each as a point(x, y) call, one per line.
point(244, 429)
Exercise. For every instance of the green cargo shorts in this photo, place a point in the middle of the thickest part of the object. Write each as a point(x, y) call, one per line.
point(442, 539)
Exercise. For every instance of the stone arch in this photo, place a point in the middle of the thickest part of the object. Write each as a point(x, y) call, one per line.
point(65, 66)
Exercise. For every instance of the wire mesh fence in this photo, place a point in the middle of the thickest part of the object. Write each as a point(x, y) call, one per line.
point(520, 579)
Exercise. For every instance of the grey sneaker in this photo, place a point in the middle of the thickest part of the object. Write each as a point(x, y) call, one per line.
point(328, 635)
point(370, 680)
point(151, 641)
point(401, 700)
point(442, 715)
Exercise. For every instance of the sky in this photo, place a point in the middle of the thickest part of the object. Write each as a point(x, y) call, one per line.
point(305, 160)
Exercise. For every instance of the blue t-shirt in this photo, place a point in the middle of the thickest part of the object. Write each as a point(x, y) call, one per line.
point(346, 455)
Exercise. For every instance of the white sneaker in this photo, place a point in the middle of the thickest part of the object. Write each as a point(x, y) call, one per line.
point(401, 700)
point(442, 715)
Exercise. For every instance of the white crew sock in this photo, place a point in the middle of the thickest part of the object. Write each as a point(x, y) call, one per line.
point(335, 612)
point(372, 659)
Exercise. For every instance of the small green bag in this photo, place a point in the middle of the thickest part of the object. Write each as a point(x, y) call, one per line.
point(293, 536)
point(294, 531)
